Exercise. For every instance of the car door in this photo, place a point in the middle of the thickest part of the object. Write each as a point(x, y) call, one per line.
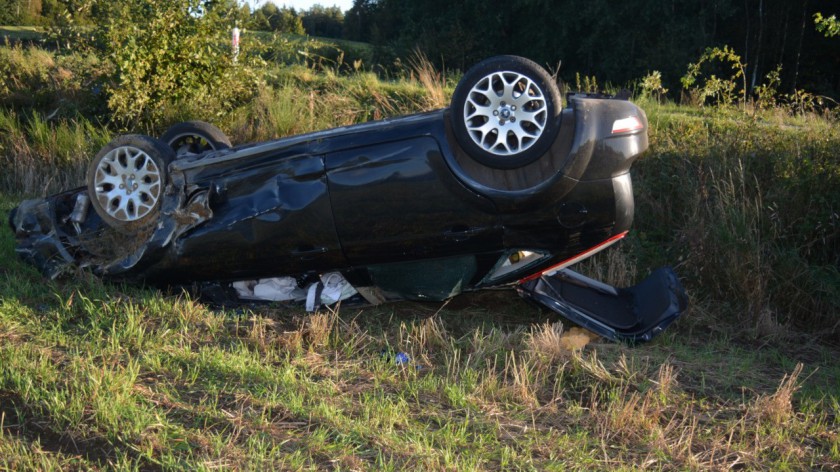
point(271, 216)
point(397, 201)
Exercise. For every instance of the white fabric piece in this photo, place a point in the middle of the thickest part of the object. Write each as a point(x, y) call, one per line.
point(276, 289)
point(273, 289)
point(245, 288)
point(336, 288)
point(332, 288)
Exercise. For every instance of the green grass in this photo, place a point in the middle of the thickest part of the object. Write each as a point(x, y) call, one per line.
point(18, 33)
point(101, 376)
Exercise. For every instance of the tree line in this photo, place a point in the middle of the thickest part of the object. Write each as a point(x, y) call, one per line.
point(316, 21)
point(612, 40)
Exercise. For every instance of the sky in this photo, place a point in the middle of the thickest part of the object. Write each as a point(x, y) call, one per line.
point(305, 4)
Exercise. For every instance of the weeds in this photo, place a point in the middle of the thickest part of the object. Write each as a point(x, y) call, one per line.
point(721, 90)
point(745, 215)
point(651, 86)
point(41, 157)
point(433, 82)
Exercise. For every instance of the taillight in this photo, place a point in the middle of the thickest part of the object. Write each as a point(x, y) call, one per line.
point(631, 123)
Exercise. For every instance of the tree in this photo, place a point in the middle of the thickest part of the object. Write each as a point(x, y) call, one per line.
point(20, 12)
point(323, 21)
point(360, 20)
point(270, 17)
point(289, 22)
point(271, 13)
point(259, 21)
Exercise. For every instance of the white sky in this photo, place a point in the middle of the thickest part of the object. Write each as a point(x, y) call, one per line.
point(305, 4)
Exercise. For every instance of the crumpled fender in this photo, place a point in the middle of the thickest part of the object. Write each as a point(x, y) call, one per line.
point(46, 239)
point(39, 242)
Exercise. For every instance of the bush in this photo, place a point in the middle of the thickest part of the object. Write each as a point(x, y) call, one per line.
point(164, 54)
point(719, 90)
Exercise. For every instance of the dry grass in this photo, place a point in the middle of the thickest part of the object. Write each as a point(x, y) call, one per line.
point(545, 341)
point(777, 408)
point(433, 81)
point(144, 376)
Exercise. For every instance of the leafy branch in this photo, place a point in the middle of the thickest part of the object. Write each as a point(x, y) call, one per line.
point(721, 90)
point(828, 26)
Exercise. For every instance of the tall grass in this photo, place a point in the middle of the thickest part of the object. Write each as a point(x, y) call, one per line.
point(35, 79)
point(750, 212)
point(40, 157)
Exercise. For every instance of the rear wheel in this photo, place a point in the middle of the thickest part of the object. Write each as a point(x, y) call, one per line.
point(504, 112)
point(195, 137)
point(126, 181)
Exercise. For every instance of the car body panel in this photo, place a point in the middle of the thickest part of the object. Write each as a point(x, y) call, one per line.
point(391, 204)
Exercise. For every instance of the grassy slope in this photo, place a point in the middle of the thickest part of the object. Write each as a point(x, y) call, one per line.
point(17, 33)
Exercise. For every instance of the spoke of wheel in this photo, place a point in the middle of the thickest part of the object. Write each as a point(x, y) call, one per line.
point(106, 178)
point(534, 119)
point(483, 131)
point(480, 110)
point(507, 91)
point(501, 140)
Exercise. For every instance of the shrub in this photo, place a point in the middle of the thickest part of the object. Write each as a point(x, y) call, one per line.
point(719, 90)
point(652, 87)
point(164, 54)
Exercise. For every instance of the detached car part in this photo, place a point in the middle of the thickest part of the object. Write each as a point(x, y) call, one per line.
point(504, 187)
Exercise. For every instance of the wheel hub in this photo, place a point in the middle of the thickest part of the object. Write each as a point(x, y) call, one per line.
point(506, 114)
point(129, 185)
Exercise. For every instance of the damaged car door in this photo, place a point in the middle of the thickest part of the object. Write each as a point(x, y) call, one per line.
point(271, 215)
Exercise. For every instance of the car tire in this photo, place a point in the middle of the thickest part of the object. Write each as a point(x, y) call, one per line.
point(12, 219)
point(126, 181)
point(504, 112)
point(194, 137)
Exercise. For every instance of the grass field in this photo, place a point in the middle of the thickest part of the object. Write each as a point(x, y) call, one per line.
point(17, 33)
point(95, 376)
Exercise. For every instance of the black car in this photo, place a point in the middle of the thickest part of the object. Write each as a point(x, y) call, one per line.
point(504, 187)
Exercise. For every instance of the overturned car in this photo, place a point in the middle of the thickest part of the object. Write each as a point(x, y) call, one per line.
point(503, 188)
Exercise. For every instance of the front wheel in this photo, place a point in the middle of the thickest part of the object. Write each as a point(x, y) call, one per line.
point(126, 181)
point(504, 112)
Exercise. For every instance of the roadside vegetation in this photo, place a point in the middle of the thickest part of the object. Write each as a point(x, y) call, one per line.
point(740, 191)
